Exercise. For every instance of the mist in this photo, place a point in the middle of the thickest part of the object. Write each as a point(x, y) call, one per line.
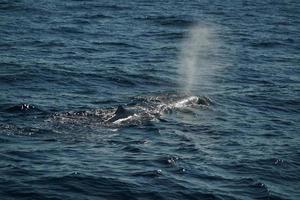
point(196, 63)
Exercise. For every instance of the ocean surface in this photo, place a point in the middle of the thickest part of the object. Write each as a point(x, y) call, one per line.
point(149, 99)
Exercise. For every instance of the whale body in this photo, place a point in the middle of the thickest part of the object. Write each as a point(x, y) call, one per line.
point(143, 109)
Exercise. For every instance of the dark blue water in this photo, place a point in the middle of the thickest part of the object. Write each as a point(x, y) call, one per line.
point(64, 62)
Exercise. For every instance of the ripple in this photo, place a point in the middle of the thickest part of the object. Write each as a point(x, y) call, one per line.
point(170, 21)
point(168, 160)
point(150, 174)
point(132, 149)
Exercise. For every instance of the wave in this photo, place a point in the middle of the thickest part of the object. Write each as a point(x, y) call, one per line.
point(170, 35)
point(170, 21)
point(21, 108)
point(95, 16)
point(267, 44)
point(118, 44)
point(68, 29)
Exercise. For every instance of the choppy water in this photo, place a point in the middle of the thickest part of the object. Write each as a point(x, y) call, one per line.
point(65, 63)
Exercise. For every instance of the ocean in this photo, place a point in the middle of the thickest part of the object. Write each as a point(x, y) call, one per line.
point(149, 99)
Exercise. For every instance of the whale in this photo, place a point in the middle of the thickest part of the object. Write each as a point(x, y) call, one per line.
point(139, 111)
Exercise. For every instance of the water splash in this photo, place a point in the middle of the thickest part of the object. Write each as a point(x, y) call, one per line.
point(196, 58)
